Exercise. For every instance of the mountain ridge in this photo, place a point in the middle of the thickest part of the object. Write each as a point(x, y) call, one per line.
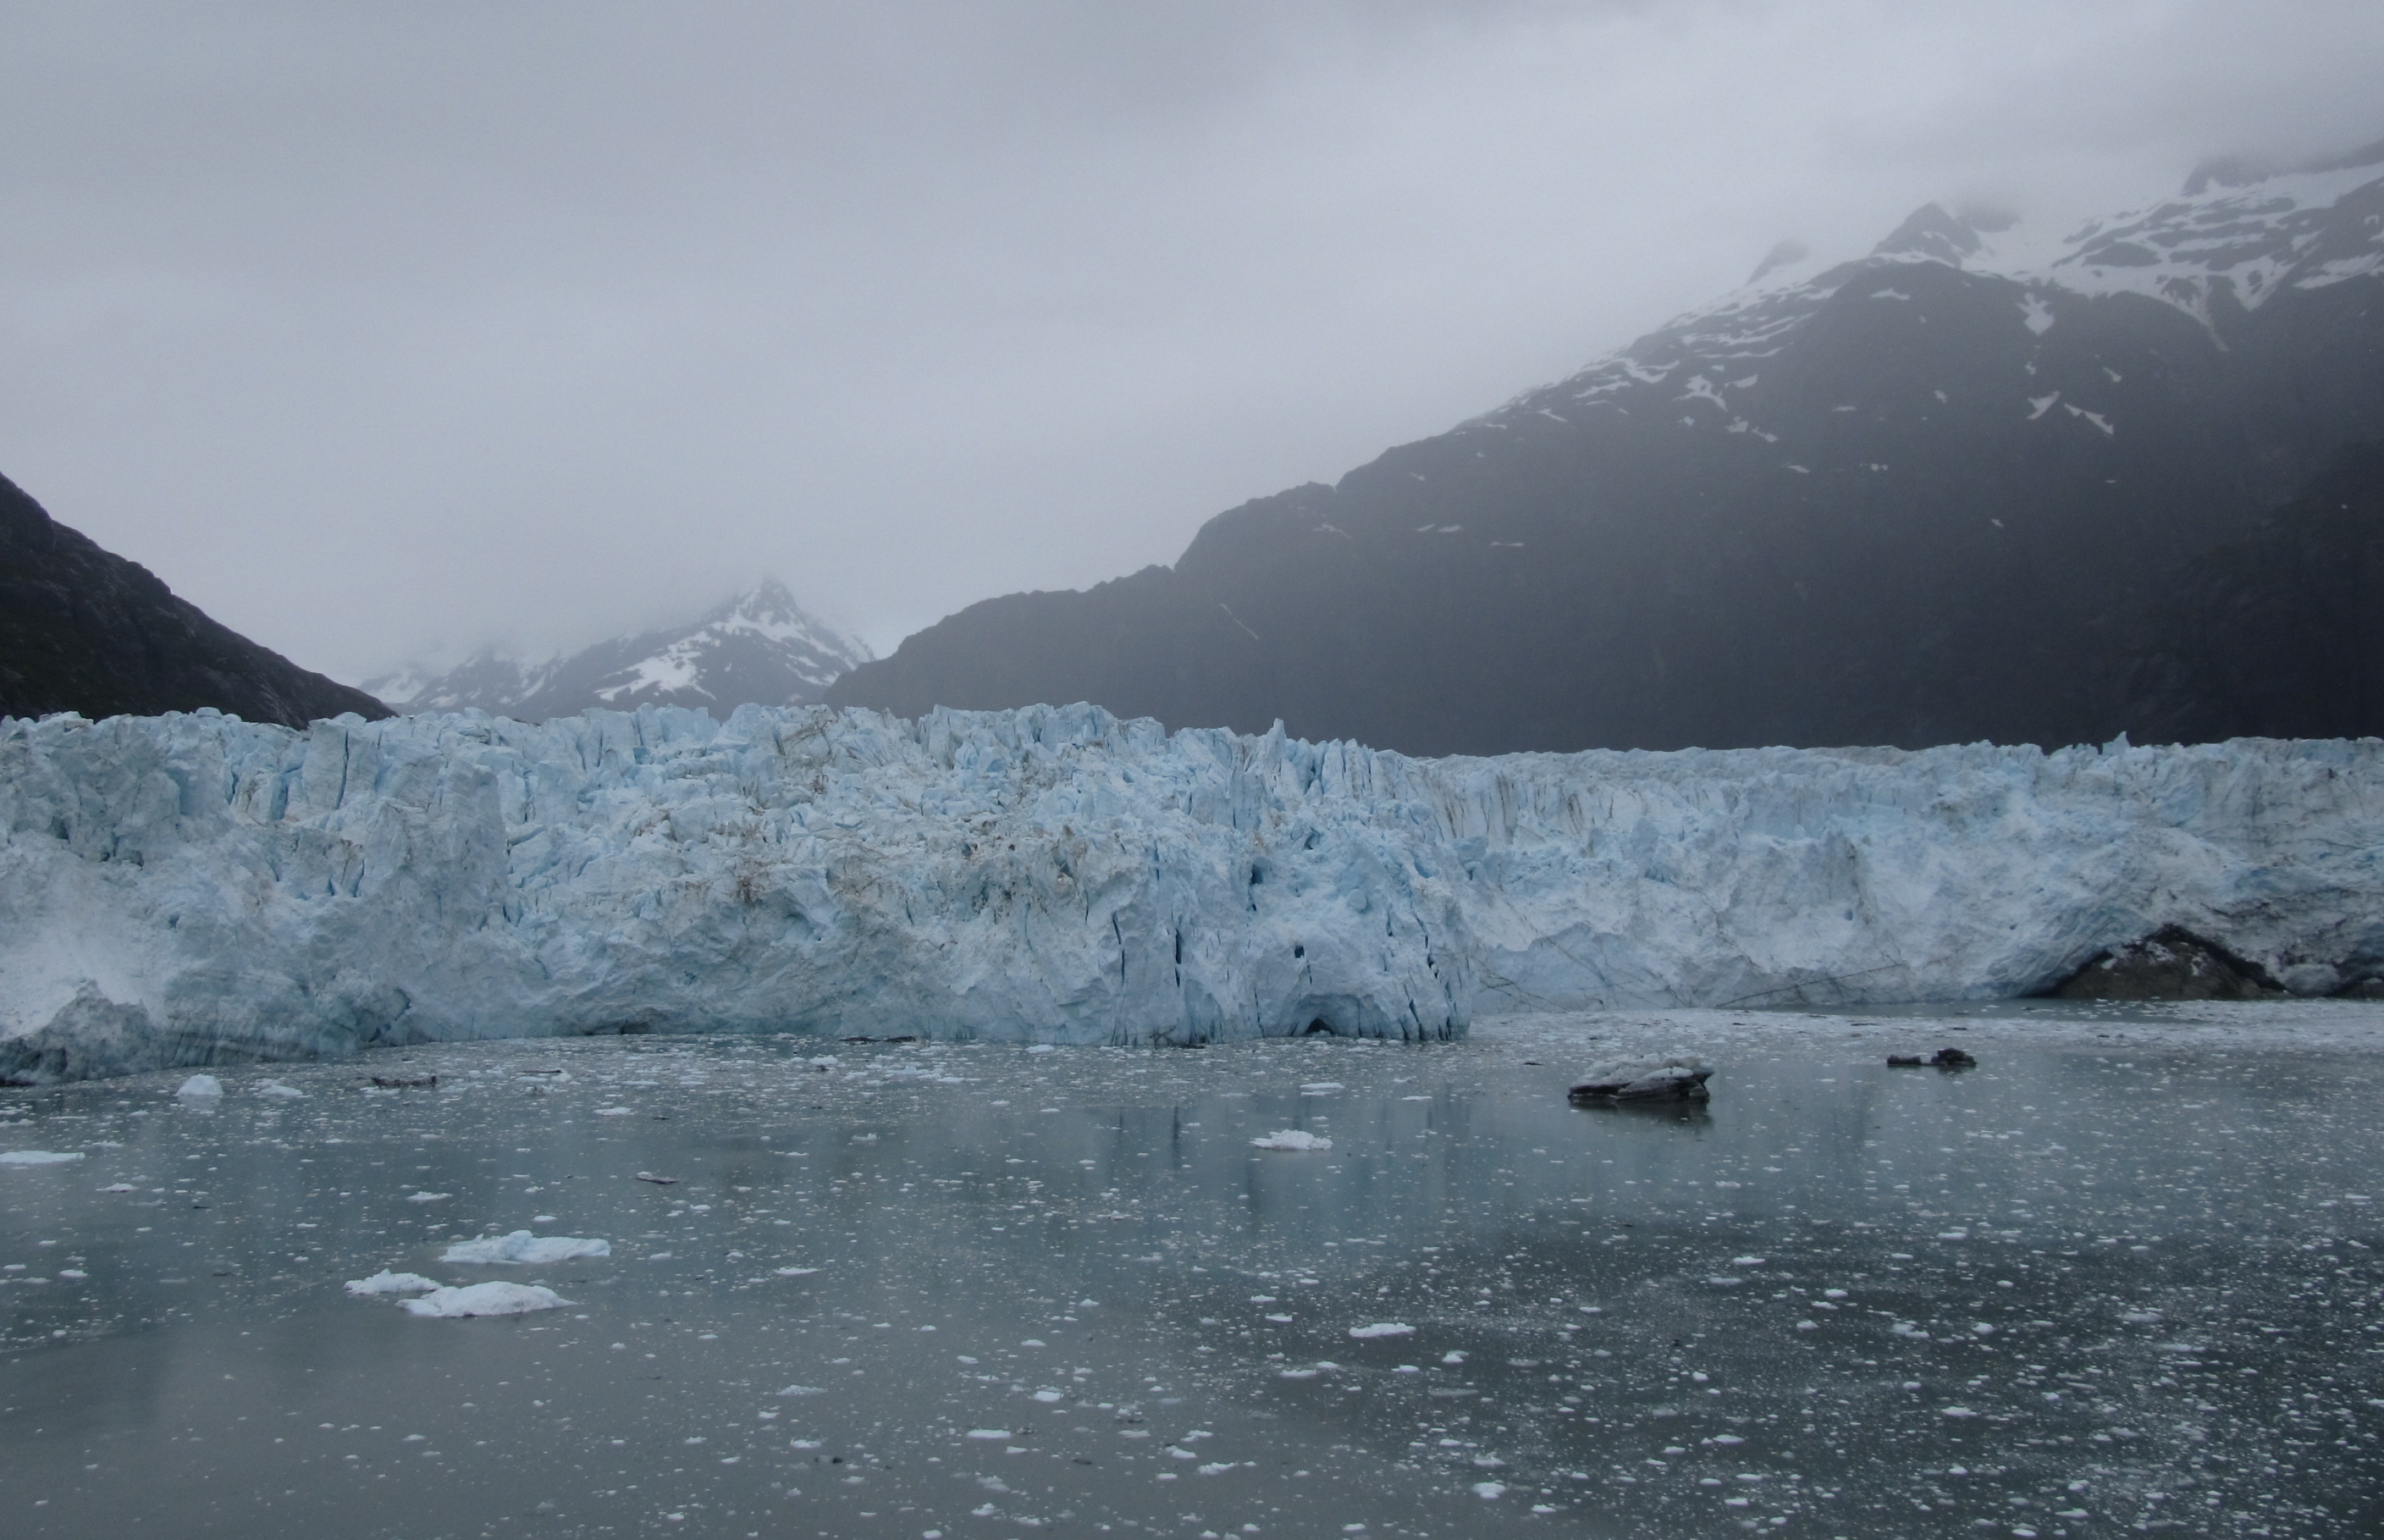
point(1928, 495)
point(85, 630)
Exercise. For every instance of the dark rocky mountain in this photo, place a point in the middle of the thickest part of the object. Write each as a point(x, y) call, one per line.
point(761, 647)
point(1940, 494)
point(84, 630)
point(2281, 634)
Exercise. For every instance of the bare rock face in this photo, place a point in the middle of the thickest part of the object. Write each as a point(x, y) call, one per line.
point(2170, 963)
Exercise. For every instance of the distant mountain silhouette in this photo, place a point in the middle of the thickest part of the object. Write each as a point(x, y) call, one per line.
point(84, 630)
point(1948, 492)
point(760, 646)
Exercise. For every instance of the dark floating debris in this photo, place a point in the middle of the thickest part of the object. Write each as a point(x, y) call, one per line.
point(1943, 1058)
point(1679, 1077)
point(405, 1082)
point(658, 1180)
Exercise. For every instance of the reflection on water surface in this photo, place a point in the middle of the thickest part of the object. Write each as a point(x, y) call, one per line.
point(2095, 1284)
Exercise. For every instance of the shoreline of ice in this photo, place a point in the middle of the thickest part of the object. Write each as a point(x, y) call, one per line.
point(192, 890)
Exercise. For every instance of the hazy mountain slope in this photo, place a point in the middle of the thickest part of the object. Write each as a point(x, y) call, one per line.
point(1933, 495)
point(2280, 634)
point(84, 630)
point(759, 649)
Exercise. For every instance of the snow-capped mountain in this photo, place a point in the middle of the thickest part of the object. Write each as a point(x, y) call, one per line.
point(1935, 493)
point(760, 648)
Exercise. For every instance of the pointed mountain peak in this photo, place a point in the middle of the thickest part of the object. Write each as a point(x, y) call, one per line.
point(767, 600)
point(1932, 232)
point(759, 646)
point(1785, 255)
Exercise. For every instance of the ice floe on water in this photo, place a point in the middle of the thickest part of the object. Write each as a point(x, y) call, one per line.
point(38, 1156)
point(200, 1087)
point(522, 1247)
point(1058, 873)
point(1291, 1138)
point(385, 1282)
point(485, 1300)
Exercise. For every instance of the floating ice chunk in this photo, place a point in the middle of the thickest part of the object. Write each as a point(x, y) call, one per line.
point(1674, 1077)
point(814, 1390)
point(199, 1087)
point(486, 1299)
point(385, 1282)
point(275, 1088)
point(989, 1434)
point(40, 1158)
point(1489, 1491)
point(1320, 1088)
point(794, 1271)
point(612, 1111)
point(1956, 1412)
point(1383, 1328)
point(428, 1197)
point(522, 1247)
point(1038, 1048)
point(1291, 1138)
point(120, 1187)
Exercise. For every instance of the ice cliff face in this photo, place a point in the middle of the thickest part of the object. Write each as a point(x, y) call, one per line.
point(195, 890)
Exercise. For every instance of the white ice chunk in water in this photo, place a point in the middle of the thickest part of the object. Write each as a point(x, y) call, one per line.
point(276, 1088)
point(199, 1087)
point(39, 1158)
point(522, 1247)
point(427, 1197)
point(811, 1390)
point(1291, 1138)
point(486, 1299)
point(385, 1282)
point(1383, 1328)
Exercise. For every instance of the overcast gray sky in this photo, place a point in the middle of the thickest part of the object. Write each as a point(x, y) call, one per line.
point(380, 331)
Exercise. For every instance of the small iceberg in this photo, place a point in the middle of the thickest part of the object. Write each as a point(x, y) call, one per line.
point(451, 1304)
point(37, 1157)
point(200, 1087)
point(1291, 1138)
point(385, 1282)
point(522, 1247)
point(1677, 1078)
point(1383, 1328)
point(275, 1088)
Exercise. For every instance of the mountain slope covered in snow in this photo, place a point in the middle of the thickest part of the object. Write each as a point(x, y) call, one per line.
point(759, 649)
point(1936, 494)
point(190, 890)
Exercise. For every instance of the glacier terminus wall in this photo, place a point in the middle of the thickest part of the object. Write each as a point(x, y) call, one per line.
point(195, 890)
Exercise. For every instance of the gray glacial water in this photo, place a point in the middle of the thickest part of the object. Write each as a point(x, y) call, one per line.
point(2120, 1276)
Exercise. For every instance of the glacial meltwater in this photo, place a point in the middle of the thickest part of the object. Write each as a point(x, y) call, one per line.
point(2120, 1276)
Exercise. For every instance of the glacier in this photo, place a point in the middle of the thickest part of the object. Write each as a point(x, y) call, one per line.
point(195, 890)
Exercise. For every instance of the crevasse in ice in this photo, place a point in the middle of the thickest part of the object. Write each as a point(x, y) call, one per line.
point(193, 889)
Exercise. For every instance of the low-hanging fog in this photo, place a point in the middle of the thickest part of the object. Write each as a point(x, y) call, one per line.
point(384, 332)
